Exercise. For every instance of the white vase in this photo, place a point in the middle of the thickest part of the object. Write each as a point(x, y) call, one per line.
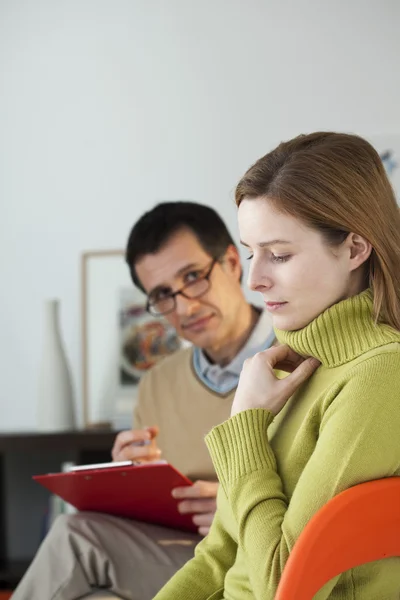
point(55, 406)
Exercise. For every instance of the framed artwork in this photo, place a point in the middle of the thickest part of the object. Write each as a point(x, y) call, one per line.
point(120, 339)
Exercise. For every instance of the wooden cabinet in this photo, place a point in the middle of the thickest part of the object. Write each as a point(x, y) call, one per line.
point(23, 502)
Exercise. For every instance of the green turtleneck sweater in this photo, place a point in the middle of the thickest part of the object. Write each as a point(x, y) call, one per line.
point(341, 428)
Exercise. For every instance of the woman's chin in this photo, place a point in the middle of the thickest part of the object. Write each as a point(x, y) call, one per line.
point(287, 323)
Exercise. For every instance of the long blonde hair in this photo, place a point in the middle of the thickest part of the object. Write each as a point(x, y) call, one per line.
point(336, 183)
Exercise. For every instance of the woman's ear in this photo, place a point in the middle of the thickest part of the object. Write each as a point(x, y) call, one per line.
point(360, 250)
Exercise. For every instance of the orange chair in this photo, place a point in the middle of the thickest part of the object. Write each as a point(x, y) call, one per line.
point(360, 525)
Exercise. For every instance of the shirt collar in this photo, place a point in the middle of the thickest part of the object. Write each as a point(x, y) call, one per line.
point(260, 339)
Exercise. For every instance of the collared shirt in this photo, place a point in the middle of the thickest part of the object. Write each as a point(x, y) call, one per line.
point(224, 379)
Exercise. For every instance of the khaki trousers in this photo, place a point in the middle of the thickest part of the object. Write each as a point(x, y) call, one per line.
point(90, 551)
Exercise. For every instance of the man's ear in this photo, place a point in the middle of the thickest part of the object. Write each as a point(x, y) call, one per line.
point(232, 261)
point(360, 250)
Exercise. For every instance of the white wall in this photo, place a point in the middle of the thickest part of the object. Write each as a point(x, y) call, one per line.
point(109, 106)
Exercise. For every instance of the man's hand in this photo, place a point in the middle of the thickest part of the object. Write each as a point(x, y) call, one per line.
point(137, 445)
point(199, 499)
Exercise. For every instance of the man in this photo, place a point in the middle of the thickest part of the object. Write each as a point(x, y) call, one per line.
point(183, 257)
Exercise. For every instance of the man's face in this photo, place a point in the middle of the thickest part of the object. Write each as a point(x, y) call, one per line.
point(209, 320)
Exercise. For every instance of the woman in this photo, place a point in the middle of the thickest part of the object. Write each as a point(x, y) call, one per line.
point(322, 228)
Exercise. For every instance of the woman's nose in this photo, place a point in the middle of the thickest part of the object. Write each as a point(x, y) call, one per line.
point(258, 280)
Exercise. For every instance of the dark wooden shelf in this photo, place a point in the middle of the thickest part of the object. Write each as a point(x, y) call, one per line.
point(86, 439)
point(29, 453)
point(11, 572)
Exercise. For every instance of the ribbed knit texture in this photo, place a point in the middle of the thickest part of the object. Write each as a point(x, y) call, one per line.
point(341, 333)
point(241, 460)
point(342, 427)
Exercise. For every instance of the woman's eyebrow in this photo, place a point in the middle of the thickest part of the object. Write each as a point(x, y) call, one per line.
point(269, 243)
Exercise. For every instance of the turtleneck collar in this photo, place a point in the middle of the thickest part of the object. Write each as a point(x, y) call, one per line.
point(341, 333)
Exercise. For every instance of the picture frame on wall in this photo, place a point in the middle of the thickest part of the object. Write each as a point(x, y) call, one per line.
point(121, 341)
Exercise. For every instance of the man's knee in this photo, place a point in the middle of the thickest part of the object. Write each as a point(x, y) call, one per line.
point(62, 526)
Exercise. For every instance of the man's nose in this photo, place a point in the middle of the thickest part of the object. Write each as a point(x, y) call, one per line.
point(186, 306)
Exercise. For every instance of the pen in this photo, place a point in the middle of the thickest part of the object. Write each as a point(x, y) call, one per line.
point(141, 443)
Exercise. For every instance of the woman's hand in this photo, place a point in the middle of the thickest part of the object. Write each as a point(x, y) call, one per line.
point(260, 388)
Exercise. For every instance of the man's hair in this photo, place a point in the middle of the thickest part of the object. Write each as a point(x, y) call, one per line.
point(157, 226)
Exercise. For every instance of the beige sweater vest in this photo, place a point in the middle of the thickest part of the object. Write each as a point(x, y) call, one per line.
point(173, 397)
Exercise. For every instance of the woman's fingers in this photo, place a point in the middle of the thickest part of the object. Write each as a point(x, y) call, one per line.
point(259, 386)
point(305, 369)
point(283, 356)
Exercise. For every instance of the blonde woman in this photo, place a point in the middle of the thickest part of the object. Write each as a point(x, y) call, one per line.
point(322, 228)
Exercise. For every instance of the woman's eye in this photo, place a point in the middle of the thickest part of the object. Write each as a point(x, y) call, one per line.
point(249, 257)
point(280, 259)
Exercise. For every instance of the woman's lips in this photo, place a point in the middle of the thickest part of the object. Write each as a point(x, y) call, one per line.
point(272, 306)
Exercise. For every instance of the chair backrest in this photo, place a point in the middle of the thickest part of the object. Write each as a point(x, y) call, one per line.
point(360, 525)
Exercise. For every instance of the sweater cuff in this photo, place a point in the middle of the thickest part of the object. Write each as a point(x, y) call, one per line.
point(240, 445)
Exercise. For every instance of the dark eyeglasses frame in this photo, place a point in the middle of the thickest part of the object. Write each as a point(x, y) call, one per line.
point(181, 291)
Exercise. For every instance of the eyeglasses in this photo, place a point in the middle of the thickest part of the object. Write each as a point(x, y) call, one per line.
point(194, 289)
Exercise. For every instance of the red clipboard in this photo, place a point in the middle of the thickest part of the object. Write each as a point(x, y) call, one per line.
point(141, 492)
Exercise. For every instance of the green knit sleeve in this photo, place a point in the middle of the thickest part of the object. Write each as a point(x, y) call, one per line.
point(358, 441)
point(202, 578)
